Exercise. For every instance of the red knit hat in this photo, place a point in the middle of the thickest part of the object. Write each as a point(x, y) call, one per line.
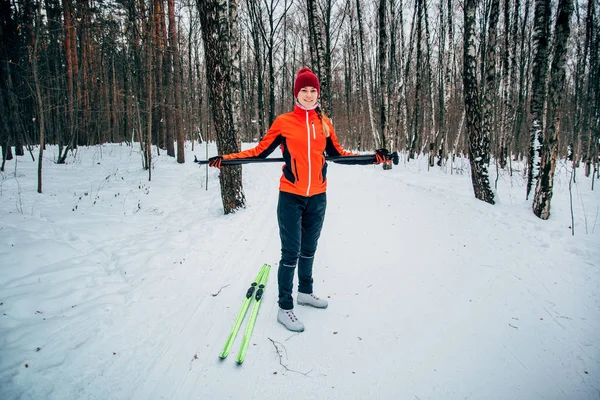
point(306, 78)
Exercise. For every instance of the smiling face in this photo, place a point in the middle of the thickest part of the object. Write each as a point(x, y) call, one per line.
point(308, 96)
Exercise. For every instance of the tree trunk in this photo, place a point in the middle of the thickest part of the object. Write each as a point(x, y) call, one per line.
point(383, 79)
point(545, 182)
point(71, 65)
point(215, 34)
point(177, 106)
point(255, 12)
point(478, 142)
point(540, 72)
point(417, 114)
point(489, 87)
point(38, 96)
point(523, 83)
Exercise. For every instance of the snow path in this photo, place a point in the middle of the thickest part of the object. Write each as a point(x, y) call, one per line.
point(433, 294)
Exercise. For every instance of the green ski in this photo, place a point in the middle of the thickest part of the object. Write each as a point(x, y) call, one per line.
point(238, 322)
point(253, 315)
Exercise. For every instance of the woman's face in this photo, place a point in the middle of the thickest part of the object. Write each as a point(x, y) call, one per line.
point(308, 96)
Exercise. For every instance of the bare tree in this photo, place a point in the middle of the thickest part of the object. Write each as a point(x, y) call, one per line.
point(256, 26)
point(320, 58)
point(268, 39)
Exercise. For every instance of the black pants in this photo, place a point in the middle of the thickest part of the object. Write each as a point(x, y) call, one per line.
point(300, 221)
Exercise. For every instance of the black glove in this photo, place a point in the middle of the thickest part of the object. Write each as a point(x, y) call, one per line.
point(382, 155)
point(215, 161)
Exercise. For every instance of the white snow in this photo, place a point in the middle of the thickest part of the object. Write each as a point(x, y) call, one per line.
point(113, 287)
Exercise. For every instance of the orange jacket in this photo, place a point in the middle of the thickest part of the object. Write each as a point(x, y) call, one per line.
point(303, 144)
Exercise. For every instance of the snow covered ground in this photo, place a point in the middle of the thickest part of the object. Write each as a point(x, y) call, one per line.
point(113, 287)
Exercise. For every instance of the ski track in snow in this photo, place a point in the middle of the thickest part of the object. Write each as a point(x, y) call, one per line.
point(129, 288)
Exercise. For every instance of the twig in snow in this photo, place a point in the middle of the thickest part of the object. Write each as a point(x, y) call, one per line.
point(291, 336)
point(512, 326)
point(278, 350)
point(216, 294)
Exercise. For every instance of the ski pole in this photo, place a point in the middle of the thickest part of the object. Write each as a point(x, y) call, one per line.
point(336, 159)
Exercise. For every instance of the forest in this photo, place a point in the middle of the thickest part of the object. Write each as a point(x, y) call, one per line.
point(494, 81)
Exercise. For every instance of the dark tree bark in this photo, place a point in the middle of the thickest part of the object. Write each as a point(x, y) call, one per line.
point(177, 102)
point(38, 95)
point(72, 70)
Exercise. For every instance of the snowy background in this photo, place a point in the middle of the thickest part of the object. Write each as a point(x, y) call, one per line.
point(114, 287)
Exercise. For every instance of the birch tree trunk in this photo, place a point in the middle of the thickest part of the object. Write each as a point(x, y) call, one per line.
point(490, 73)
point(588, 113)
point(417, 114)
point(234, 56)
point(540, 72)
point(545, 182)
point(215, 34)
point(478, 142)
point(383, 79)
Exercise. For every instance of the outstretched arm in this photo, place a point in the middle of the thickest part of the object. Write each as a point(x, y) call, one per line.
point(334, 148)
point(265, 147)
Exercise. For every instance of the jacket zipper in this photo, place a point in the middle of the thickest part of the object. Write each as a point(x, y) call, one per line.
point(308, 148)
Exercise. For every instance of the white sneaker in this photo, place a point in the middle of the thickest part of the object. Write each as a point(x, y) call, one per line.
point(311, 300)
point(288, 319)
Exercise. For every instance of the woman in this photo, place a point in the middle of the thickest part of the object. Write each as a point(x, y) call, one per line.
point(304, 135)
